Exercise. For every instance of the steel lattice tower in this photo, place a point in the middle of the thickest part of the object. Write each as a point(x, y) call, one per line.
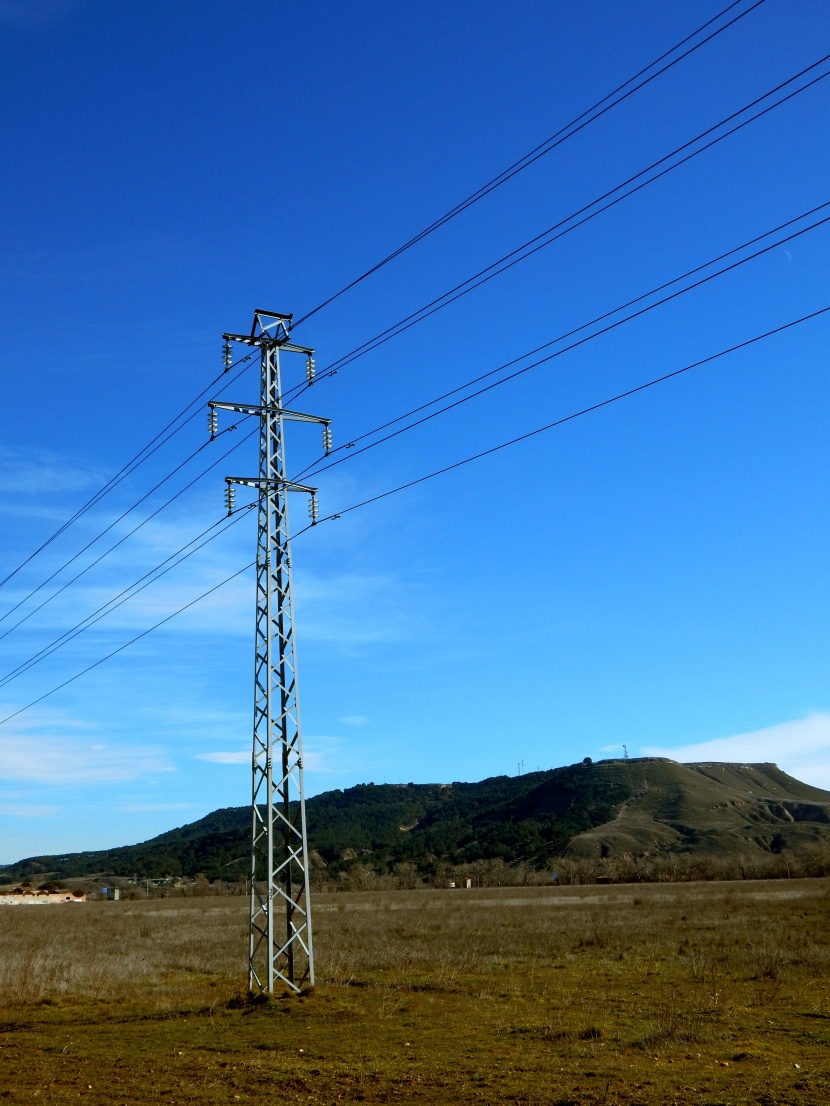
point(280, 949)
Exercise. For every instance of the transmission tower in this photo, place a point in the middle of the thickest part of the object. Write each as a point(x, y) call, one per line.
point(280, 949)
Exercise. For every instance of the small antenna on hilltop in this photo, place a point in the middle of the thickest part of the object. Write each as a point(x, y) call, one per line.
point(625, 752)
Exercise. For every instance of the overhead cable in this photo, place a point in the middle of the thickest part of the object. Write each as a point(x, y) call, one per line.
point(582, 216)
point(127, 644)
point(431, 476)
point(560, 136)
point(121, 540)
point(568, 418)
point(127, 470)
point(128, 593)
point(590, 115)
point(349, 452)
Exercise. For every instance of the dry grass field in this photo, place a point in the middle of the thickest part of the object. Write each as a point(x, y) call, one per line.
point(658, 994)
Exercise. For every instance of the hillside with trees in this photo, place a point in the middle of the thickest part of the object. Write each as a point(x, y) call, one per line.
point(626, 817)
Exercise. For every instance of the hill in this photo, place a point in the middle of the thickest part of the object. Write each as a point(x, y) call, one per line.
point(645, 807)
point(713, 808)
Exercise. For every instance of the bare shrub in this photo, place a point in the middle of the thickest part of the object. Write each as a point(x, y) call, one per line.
point(675, 1021)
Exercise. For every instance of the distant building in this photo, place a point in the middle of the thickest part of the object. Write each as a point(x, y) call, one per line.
point(29, 896)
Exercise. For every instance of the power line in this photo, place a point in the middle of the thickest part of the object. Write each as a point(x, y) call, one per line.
point(568, 418)
point(318, 467)
point(121, 540)
point(127, 593)
point(127, 644)
point(548, 237)
point(431, 476)
point(560, 229)
point(160, 439)
point(126, 470)
point(590, 115)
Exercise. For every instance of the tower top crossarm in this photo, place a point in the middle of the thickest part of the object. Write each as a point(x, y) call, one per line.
point(275, 321)
point(260, 340)
point(269, 328)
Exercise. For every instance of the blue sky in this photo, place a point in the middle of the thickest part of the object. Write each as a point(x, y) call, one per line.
point(652, 575)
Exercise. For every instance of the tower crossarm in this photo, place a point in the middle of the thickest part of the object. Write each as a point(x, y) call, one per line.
point(254, 409)
point(269, 484)
point(267, 340)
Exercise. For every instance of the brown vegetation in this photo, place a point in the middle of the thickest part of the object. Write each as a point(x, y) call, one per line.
point(570, 871)
point(655, 994)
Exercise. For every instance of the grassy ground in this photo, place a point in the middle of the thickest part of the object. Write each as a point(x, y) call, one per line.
point(657, 994)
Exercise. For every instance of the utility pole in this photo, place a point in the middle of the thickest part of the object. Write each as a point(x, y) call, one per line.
point(280, 948)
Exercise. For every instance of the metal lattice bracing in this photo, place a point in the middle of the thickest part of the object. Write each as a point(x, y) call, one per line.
point(280, 950)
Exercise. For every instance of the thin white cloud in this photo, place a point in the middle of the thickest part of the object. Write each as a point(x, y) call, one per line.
point(800, 748)
point(45, 722)
point(324, 755)
point(185, 723)
point(51, 760)
point(227, 611)
point(27, 810)
point(353, 719)
point(346, 610)
point(39, 471)
point(142, 808)
point(224, 612)
point(357, 609)
point(319, 755)
point(226, 757)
